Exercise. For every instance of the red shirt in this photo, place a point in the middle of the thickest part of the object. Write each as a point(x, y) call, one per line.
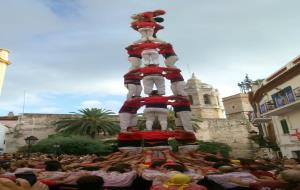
point(174, 76)
point(181, 105)
point(156, 99)
point(181, 102)
point(131, 106)
point(151, 14)
point(148, 20)
point(142, 24)
point(148, 45)
point(154, 69)
point(131, 78)
point(150, 70)
point(132, 50)
point(166, 49)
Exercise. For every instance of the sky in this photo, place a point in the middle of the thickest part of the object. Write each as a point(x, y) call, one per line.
point(69, 54)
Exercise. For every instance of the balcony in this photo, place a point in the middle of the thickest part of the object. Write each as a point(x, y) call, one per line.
point(283, 101)
point(283, 109)
point(257, 120)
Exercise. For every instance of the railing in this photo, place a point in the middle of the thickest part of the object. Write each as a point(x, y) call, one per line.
point(283, 97)
point(267, 106)
point(297, 93)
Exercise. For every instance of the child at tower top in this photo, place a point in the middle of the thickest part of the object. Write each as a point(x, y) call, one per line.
point(146, 23)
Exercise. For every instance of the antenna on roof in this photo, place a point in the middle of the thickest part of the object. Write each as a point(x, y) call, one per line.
point(24, 99)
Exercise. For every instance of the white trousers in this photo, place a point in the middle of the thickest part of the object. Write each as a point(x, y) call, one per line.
point(150, 56)
point(135, 62)
point(184, 118)
point(150, 80)
point(127, 120)
point(170, 61)
point(133, 90)
point(146, 33)
point(151, 113)
point(178, 88)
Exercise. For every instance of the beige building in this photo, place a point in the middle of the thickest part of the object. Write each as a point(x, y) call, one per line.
point(3, 65)
point(20, 127)
point(205, 99)
point(276, 103)
point(237, 106)
point(234, 132)
point(208, 107)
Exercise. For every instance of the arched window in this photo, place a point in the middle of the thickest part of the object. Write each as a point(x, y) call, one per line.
point(206, 99)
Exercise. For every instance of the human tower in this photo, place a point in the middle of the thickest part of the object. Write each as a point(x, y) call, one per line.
point(144, 56)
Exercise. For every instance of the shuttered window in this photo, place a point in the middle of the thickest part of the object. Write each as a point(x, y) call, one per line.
point(285, 127)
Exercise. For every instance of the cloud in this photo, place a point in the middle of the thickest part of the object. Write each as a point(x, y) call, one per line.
point(91, 104)
point(75, 49)
point(49, 110)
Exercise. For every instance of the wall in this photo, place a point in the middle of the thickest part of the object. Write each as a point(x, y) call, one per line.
point(230, 131)
point(286, 142)
point(38, 125)
point(3, 130)
point(237, 106)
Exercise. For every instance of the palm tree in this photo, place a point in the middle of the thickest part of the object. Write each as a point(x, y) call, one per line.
point(90, 122)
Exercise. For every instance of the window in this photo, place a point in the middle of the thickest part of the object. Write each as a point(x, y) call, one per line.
point(296, 154)
point(206, 99)
point(263, 108)
point(283, 97)
point(191, 99)
point(285, 127)
point(270, 105)
point(297, 93)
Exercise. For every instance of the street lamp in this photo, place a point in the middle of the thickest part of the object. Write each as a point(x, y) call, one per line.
point(56, 147)
point(31, 140)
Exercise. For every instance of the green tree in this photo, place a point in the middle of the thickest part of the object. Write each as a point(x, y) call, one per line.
point(78, 145)
point(90, 122)
point(214, 147)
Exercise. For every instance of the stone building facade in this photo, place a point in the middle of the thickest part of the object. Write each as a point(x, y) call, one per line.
point(208, 107)
point(233, 132)
point(237, 106)
point(205, 99)
point(20, 127)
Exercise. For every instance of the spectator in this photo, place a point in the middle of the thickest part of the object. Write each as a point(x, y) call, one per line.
point(90, 183)
point(178, 181)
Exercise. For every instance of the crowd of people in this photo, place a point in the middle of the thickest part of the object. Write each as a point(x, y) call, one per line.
point(132, 171)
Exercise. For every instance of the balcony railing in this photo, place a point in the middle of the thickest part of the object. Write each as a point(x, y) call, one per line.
point(267, 106)
point(297, 93)
point(280, 99)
